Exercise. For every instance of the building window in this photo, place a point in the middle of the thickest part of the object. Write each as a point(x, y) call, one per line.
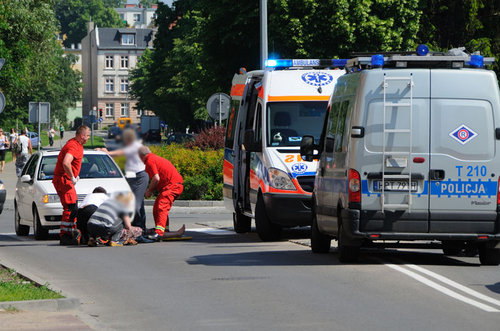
point(122, 17)
point(124, 61)
point(109, 62)
point(127, 39)
point(110, 85)
point(137, 17)
point(124, 85)
point(125, 110)
point(110, 110)
point(139, 112)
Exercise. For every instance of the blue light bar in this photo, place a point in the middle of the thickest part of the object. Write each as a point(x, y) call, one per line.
point(377, 60)
point(284, 63)
point(278, 63)
point(339, 62)
point(476, 61)
point(422, 50)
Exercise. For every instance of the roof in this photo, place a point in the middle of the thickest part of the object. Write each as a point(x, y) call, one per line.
point(134, 9)
point(110, 38)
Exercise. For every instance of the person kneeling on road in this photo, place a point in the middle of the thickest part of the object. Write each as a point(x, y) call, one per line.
point(166, 179)
point(110, 223)
point(87, 208)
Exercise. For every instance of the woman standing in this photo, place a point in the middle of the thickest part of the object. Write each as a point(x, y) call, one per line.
point(4, 146)
point(135, 171)
point(13, 137)
point(22, 147)
point(61, 131)
point(51, 135)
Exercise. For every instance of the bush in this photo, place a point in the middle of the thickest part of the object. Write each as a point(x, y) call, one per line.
point(209, 139)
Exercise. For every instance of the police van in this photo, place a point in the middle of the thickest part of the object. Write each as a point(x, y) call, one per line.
point(264, 175)
point(409, 151)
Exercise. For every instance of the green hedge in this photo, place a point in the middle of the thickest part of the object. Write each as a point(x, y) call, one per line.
point(202, 170)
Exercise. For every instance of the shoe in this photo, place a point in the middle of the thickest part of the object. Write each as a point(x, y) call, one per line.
point(115, 244)
point(143, 240)
point(102, 242)
point(155, 237)
point(91, 242)
point(67, 240)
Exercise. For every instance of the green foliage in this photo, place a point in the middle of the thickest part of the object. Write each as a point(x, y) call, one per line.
point(35, 67)
point(74, 16)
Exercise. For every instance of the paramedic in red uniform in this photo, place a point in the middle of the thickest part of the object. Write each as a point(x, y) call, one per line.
point(66, 174)
point(168, 182)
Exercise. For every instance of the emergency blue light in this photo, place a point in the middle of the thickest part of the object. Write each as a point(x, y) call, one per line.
point(476, 61)
point(339, 62)
point(377, 60)
point(278, 63)
point(422, 50)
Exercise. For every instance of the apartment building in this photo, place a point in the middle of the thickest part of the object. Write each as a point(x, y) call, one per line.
point(137, 16)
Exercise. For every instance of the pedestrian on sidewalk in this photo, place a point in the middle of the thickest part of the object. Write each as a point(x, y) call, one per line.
point(51, 135)
point(87, 208)
point(22, 146)
point(168, 182)
point(61, 131)
point(4, 147)
point(65, 178)
point(13, 137)
point(135, 173)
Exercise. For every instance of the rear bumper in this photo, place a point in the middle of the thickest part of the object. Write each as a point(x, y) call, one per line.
point(351, 221)
point(3, 194)
point(288, 210)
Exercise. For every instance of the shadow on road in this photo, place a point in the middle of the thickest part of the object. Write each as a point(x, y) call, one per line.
point(494, 287)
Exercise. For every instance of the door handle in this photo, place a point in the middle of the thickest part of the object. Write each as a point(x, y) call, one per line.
point(436, 174)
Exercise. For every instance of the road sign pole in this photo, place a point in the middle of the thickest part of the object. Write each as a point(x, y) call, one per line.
point(39, 120)
point(220, 109)
point(263, 33)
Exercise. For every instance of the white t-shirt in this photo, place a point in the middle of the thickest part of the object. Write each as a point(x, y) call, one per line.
point(95, 199)
point(25, 143)
point(133, 162)
point(3, 140)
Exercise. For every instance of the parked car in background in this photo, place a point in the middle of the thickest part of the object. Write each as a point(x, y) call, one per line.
point(124, 122)
point(34, 139)
point(36, 203)
point(179, 138)
point(3, 194)
point(113, 131)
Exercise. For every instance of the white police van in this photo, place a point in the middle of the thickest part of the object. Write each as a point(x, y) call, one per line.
point(264, 175)
point(409, 151)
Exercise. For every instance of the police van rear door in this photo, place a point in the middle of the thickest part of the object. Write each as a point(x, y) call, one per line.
point(463, 173)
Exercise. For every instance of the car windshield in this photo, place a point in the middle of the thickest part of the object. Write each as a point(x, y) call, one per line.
point(287, 122)
point(93, 166)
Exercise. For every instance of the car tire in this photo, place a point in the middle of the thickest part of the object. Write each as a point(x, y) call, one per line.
point(21, 230)
point(452, 248)
point(266, 230)
point(320, 243)
point(347, 253)
point(39, 231)
point(241, 223)
point(489, 255)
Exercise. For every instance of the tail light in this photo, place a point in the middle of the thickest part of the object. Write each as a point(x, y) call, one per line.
point(354, 186)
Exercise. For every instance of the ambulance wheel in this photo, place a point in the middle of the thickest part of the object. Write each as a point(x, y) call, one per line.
point(452, 248)
point(489, 255)
point(21, 230)
point(266, 230)
point(348, 253)
point(40, 232)
point(241, 223)
point(320, 243)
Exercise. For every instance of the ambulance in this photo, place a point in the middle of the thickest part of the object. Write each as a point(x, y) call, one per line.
point(410, 150)
point(264, 176)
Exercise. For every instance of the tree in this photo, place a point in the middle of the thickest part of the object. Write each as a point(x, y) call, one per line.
point(74, 15)
point(148, 3)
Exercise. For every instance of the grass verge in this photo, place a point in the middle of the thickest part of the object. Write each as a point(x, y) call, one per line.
point(15, 288)
point(98, 143)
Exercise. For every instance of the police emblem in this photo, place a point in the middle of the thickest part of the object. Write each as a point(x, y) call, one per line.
point(463, 134)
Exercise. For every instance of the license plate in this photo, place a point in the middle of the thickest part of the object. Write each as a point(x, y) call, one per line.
point(395, 185)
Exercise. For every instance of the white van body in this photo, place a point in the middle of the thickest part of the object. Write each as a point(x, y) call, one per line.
point(265, 177)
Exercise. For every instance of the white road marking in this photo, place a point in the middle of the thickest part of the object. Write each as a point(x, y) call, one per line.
point(213, 231)
point(454, 284)
point(443, 289)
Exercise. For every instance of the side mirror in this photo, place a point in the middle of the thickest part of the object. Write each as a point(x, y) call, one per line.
point(307, 147)
point(25, 178)
point(249, 142)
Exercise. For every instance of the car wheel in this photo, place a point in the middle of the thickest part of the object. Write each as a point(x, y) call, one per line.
point(266, 230)
point(320, 243)
point(39, 231)
point(21, 230)
point(347, 253)
point(489, 255)
point(452, 248)
point(241, 223)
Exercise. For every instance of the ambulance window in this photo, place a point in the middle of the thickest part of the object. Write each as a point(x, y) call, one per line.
point(231, 123)
point(331, 129)
point(341, 126)
point(258, 124)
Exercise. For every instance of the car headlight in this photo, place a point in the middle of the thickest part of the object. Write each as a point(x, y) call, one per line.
point(50, 198)
point(280, 180)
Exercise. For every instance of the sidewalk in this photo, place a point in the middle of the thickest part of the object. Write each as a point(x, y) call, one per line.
point(39, 320)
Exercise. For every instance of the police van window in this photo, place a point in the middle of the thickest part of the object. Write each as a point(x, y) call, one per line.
point(231, 123)
point(287, 122)
point(341, 126)
point(331, 129)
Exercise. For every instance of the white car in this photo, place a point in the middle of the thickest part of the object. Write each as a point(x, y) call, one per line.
point(36, 202)
point(34, 139)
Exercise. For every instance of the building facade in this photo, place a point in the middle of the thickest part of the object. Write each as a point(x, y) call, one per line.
point(108, 54)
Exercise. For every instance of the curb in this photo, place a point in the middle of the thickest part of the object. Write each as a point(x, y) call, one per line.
point(191, 203)
point(52, 305)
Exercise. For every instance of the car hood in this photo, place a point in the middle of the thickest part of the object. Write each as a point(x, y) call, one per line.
point(87, 185)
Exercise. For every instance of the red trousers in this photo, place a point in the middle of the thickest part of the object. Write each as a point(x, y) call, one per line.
point(163, 203)
point(67, 194)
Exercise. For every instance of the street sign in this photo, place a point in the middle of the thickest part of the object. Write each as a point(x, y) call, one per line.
point(43, 112)
point(2, 98)
point(100, 119)
point(162, 124)
point(218, 106)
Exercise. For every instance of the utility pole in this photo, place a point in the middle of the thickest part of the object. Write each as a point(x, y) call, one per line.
point(263, 33)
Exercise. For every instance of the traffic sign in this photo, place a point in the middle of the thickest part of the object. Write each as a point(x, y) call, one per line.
point(100, 119)
point(37, 109)
point(218, 106)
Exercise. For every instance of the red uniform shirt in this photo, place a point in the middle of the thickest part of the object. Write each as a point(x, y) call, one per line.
point(164, 168)
point(74, 148)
